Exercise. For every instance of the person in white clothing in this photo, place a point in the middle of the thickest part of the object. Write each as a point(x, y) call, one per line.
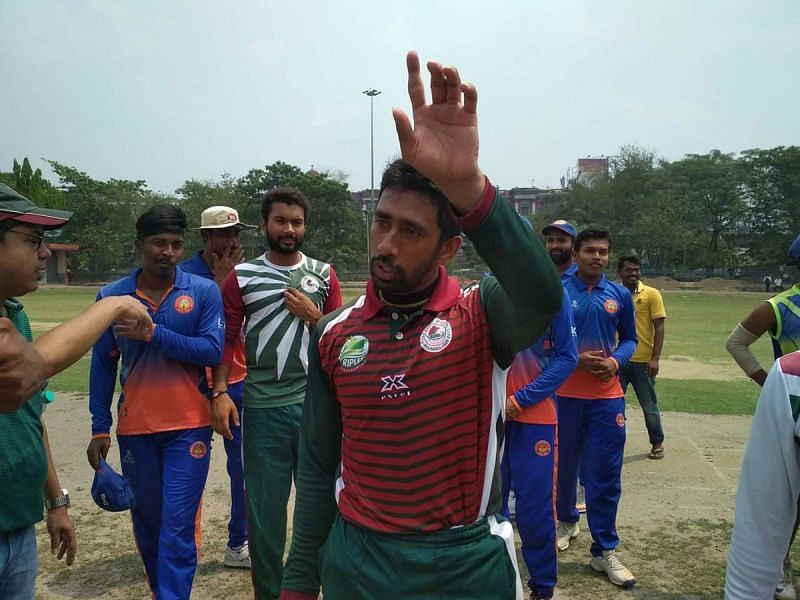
point(769, 487)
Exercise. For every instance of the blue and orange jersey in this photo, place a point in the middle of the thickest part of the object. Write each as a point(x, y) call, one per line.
point(159, 378)
point(606, 322)
point(537, 372)
point(198, 266)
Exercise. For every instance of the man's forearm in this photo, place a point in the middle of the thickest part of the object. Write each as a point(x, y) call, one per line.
point(64, 345)
point(658, 339)
point(220, 377)
point(52, 487)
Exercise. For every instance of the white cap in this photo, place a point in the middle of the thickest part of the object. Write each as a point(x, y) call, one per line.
point(220, 217)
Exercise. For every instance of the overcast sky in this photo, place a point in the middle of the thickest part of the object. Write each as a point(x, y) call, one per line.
point(171, 90)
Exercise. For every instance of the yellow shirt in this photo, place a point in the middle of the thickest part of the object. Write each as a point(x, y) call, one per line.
point(648, 305)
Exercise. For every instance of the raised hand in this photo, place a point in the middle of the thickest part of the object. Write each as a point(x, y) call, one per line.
point(222, 265)
point(442, 144)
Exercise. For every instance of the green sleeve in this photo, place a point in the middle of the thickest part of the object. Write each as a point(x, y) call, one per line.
point(525, 293)
point(318, 463)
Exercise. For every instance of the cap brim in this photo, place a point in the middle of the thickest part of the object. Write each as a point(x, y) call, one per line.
point(225, 226)
point(47, 218)
point(561, 229)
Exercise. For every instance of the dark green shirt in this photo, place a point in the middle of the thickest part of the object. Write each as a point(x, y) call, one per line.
point(23, 461)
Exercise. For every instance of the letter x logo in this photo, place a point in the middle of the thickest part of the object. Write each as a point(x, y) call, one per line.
point(393, 382)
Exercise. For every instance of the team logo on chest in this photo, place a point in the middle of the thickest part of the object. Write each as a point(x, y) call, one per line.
point(184, 304)
point(309, 284)
point(542, 448)
point(354, 352)
point(436, 336)
point(611, 306)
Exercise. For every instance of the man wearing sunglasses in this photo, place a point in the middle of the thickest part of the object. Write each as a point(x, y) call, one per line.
point(27, 474)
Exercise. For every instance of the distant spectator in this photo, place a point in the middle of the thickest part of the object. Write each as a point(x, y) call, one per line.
point(767, 283)
point(778, 284)
point(738, 273)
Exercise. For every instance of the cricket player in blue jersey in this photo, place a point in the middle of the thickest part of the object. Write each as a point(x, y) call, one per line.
point(222, 251)
point(591, 404)
point(163, 417)
point(530, 453)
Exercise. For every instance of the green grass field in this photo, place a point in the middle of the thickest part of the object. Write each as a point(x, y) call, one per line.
point(697, 325)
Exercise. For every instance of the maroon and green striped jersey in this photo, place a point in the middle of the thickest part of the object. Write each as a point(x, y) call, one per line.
point(403, 418)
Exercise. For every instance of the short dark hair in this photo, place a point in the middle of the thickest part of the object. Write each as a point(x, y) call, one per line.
point(592, 232)
point(288, 196)
point(401, 176)
point(161, 218)
point(632, 258)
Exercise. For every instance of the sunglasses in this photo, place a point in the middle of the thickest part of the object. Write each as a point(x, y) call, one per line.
point(39, 238)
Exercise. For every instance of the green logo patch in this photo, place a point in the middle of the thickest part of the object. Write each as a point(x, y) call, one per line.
point(354, 352)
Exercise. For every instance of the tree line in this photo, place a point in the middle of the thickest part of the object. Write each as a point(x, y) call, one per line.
point(713, 211)
point(705, 211)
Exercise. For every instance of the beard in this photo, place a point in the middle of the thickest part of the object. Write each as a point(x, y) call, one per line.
point(281, 244)
point(560, 257)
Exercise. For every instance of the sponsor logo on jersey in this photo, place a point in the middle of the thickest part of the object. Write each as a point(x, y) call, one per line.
point(354, 352)
point(184, 304)
point(309, 284)
point(574, 304)
point(198, 450)
point(394, 386)
point(436, 336)
point(611, 306)
point(620, 420)
point(542, 448)
point(393, 382)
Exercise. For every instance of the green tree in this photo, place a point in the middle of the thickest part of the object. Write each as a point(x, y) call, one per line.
point(713, 186)
point(772, 178)
point(105, 214)
point(32, 185)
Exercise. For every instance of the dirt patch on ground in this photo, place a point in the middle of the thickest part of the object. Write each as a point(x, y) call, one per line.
point(674, 518)
point(687, 367)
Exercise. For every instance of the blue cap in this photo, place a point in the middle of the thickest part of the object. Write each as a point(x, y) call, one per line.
point(110, 490)
point(562, 225)
point(794, 252)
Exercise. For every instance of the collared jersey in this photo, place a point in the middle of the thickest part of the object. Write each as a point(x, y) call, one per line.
point(786, 306)
point(605, 321)
point(538, 371)
point(23, 461)
point(198, 266)
point(160, 379)
point(275, 340)
point(403, 420)
point(769, 485)
point(648, 305)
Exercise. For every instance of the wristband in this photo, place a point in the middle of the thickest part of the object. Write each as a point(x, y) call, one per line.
point(218, 393)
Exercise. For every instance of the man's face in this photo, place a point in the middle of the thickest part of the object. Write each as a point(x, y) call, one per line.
point(218, 240)
point(404, 247)
point(285, 228)
point(629, 274)
point(21, 262)
point(161, 253)
point(592, 258)
point(558, 245)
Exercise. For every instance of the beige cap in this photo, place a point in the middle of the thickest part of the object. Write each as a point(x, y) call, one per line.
point(220, 217)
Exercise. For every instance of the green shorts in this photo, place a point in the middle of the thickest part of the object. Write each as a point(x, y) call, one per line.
point(475, 561)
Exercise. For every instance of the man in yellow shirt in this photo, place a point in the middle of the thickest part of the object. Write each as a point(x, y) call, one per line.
point(642, 369)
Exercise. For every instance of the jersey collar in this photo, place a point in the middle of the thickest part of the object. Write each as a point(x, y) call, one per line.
point(445, 295)
point(127, 285)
